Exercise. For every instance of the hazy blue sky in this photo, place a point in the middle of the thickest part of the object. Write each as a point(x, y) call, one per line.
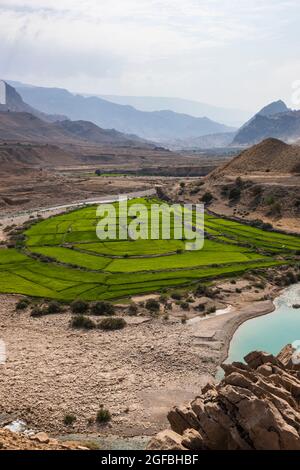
point(241, 53)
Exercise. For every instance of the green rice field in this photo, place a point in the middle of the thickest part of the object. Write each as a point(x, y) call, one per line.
point(62, 258)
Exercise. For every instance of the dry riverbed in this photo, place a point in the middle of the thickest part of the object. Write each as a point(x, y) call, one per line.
point(137, 373)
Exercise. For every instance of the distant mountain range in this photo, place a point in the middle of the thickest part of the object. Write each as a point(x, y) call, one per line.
point(10, 100)
point(275, 120)
point(101, 120)
point(25, 127)
point(211, 141)
point(22, 122)
point(227, 116)
point(159, 126)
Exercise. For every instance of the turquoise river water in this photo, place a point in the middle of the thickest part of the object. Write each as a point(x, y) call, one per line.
point(269, 332)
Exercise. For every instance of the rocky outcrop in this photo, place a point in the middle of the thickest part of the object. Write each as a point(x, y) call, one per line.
point(255, 407)
point(285, 356)
point(41, 441)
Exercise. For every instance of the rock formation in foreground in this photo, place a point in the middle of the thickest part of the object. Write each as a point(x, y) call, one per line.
point(41, 441)
point(255, 406)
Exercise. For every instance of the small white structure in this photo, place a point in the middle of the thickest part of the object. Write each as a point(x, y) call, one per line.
point(2, 352)
point(2, 92)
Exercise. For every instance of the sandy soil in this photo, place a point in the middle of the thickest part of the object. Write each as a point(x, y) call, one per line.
point(46, 189)
point(138, 373)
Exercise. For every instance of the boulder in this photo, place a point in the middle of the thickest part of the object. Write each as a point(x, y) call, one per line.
point(41, 437)
point(166, 440)
point(286, 357)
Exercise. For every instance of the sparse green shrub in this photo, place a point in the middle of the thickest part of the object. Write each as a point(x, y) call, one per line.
point(260, 285)
point(269, 200)
point(185, 305)
point(176, 296)
point(152, 305)
point(234, 194)
point(239, 182)
point(211, 309)
point(275, 209)
point(103, 308)
point(261, 224)
point(207, 197)
point(103, 416)
point(79, 306)
point(291, 277)
point(54, 307)
point(69, 419)
point(200, 308)
point(132, 309)
point(22, 304)
point(201, 290)
point(113, 323)
point(81, 321)
point(36, 312)
point(163, 298)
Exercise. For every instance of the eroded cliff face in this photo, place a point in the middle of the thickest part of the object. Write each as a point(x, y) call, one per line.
point(256, 406)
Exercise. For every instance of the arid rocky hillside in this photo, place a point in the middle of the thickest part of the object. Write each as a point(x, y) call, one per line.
point(271, 156)
point(274, 120)
point(262, 182)
point(255, 407)
point(17, 157)
point(11, 100)
point(25, 127)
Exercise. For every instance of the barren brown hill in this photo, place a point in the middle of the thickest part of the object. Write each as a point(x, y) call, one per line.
point(271, 156)
point(260, 184)
point(16, 156)
point(25, 127)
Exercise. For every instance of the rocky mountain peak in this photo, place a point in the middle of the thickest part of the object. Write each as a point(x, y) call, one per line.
point(275, 107)
point(10, 100)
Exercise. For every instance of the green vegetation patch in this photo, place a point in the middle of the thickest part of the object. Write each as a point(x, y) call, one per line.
point(73, 263)
point(68, 256)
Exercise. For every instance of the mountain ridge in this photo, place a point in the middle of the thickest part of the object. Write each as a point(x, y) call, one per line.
point(11, 100)
point(159, 126)
point(25, 127)
point(275, 120)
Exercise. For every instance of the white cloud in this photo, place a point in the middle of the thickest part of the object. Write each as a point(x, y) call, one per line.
point(165, 47)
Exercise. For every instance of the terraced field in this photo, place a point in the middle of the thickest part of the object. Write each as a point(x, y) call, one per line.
point(63, 258)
